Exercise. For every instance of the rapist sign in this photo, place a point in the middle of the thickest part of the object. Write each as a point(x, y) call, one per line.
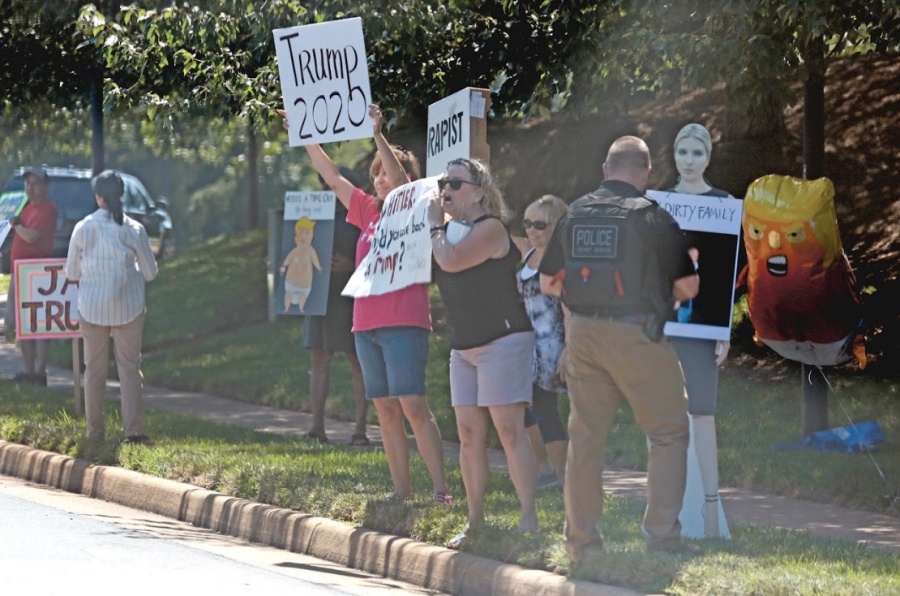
point(324, 81)
point(46, 301)
point(457, 128)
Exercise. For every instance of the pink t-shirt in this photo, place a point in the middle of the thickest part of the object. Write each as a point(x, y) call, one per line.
point(408, 307)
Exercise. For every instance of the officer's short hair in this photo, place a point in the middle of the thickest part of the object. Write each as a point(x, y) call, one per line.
point(628, 153)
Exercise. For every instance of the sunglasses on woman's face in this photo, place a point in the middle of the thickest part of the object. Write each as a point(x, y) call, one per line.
point(537, 225)
point(453, 183)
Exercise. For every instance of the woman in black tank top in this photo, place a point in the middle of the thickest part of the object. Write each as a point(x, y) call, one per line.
point(490, 335)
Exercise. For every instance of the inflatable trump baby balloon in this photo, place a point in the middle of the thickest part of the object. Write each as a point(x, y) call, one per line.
point(800, 287)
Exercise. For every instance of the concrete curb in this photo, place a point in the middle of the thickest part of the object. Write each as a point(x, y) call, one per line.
point(397, 558)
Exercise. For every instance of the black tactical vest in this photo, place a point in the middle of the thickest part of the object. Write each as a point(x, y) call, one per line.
point(607, 264)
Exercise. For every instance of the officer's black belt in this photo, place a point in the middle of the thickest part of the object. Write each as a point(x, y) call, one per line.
point(632, 319)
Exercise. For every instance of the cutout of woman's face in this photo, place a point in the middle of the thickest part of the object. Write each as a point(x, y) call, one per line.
point(691, 160)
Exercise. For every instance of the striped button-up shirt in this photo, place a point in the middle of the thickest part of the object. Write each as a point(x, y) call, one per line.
point(111, 262)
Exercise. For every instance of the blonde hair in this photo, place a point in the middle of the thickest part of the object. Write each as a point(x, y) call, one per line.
point(551, 207)
point(304, 223)
point(492, 199)
point(408, 161)
point(694, 131)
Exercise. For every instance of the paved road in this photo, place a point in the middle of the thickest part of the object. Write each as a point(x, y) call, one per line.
point(52, 542)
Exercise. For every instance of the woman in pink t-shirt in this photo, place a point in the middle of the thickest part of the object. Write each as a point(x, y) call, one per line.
point(390, 330)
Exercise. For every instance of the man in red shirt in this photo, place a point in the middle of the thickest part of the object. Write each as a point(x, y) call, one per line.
point(34, 228)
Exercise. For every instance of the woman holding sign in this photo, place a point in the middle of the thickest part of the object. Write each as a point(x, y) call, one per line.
point(390, 330)
point(490, 335)
point(700, 358)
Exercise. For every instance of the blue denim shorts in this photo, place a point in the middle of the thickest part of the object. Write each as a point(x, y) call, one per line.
point(393, 360)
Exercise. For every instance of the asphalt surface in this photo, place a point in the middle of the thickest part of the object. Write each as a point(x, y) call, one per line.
point(394, 557)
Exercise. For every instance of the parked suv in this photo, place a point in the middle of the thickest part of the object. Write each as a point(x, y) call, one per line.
point(70, 190)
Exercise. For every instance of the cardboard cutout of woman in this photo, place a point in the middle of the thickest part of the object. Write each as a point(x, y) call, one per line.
point(701, 513)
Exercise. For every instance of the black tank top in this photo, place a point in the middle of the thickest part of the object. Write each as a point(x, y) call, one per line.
point(482, 303)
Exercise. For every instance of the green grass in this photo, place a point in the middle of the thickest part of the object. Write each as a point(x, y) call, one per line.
point(349, 484)
point(207, 330)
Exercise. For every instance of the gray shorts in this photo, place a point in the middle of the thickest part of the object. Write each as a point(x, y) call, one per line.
point(495, 374)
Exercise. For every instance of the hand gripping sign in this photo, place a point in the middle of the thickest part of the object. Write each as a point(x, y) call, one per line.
point(324, 81)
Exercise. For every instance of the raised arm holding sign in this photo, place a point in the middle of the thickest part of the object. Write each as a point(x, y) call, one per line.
point(391, 329)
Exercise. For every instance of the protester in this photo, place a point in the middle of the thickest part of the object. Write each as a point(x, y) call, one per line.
point(490, 336)
point(111, 259)
point(324, 335)
point(390, 330)
point(619, 276)
point(700, 358)
point(547, 318)
point(33, 229)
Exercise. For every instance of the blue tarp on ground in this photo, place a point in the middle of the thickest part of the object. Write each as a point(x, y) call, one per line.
point(853, 437)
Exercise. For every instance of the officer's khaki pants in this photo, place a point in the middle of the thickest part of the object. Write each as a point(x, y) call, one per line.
point(127, 342)
point(607, 361)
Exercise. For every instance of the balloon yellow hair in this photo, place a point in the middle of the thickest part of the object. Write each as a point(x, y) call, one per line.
point(785, 199)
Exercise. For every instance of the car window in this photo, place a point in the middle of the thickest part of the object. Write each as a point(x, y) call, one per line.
point(136, 198)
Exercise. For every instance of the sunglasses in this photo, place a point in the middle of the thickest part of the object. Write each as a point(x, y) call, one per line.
point(537, 225)
point(453, 183)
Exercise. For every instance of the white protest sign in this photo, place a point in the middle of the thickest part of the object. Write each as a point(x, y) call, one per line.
point(400, 255)
point(712, 226)
point(449, 130)
point(324, 81)
point(314, 204)
point(46, 301)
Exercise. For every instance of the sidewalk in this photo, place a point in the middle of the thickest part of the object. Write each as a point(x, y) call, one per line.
point(741, 507)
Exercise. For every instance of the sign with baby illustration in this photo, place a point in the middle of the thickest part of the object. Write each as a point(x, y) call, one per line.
point(712, 226)
point(305, 264)
point(324, 81)
point(401, 247)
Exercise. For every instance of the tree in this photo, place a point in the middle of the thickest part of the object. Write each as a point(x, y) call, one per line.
point(41, 60)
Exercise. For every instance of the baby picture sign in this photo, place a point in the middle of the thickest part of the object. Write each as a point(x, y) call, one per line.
point(307, 240)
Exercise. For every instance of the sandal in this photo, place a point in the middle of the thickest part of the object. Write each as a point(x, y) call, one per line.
point(443, 498)
point(457, 541)
point(359, 440)
point(317, 435)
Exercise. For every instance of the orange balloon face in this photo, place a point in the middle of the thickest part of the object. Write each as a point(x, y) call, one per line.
point(781, 248)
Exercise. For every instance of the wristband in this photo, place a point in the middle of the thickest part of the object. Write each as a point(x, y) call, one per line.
point(436, 229)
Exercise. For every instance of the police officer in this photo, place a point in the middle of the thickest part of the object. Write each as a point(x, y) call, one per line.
point(619, 262)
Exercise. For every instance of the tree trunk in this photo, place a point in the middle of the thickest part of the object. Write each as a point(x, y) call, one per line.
point(97, 156)
point(252, 178)
point(814, 113)
point(814, 413)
